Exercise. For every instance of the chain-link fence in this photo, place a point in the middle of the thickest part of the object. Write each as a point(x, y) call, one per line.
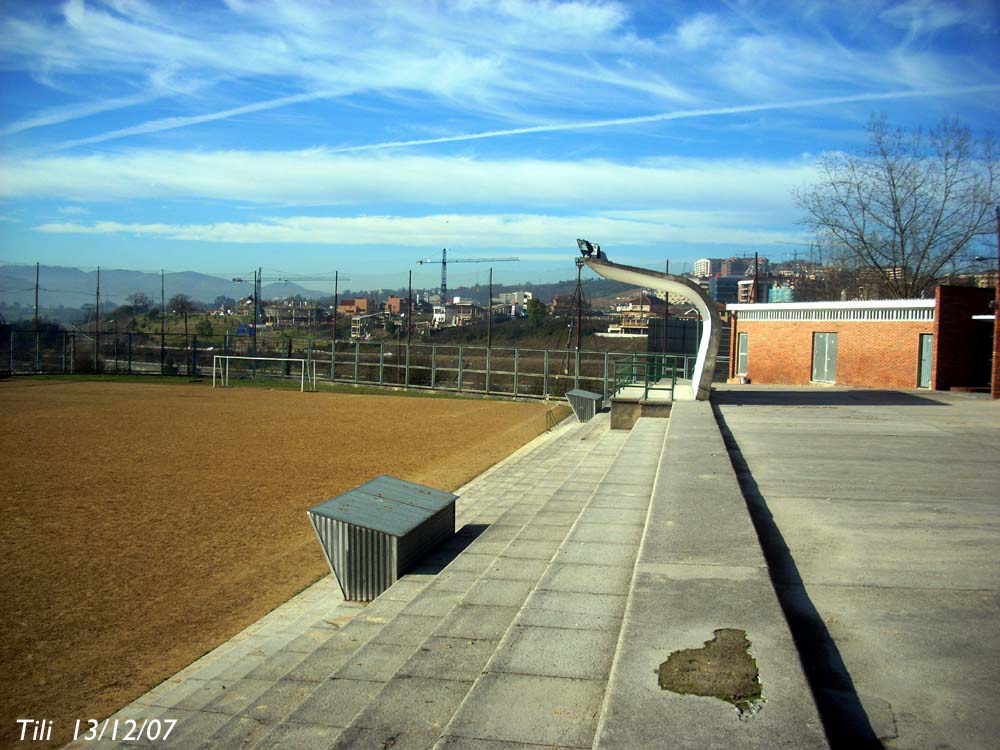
point(537, 373)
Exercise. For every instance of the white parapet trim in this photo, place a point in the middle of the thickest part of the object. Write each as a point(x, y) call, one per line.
point(887, 310)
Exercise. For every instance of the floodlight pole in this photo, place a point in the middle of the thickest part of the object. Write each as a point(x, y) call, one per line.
point(489, 314)
point(409, 312)
point(579, 295)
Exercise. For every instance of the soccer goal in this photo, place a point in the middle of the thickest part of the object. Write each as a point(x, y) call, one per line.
point(221, 369)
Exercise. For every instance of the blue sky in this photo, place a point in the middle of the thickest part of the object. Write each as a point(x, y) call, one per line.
point(307, 137)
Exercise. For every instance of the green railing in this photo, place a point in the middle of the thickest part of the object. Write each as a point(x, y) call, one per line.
point(654, 372)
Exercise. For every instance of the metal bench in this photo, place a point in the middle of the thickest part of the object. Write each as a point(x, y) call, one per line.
point(372, 534)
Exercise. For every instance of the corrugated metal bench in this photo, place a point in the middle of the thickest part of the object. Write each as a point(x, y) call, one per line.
point(372, 534)
point(585, 403)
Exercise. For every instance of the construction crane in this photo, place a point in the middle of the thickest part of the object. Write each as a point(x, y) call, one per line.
point(444, 268)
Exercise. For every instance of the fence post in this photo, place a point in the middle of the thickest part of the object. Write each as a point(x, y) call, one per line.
point(488, 350)
point(545, 374)
point(606, 375)
point(357, 359)
point(517, 356)
point(309, 354)
point(97, 351)
point(576, 374)
point(406, 375)
point(64, 352)
point(433, 366)
point(72, 353)
point(333, 358)
point(194, 354)
point(461, 366)
point(11, 351)
point(128, 339)
point(381, 363)
point(38, 350)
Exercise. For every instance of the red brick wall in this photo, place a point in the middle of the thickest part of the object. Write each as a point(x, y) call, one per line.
point(872, 354)
point(963, 347)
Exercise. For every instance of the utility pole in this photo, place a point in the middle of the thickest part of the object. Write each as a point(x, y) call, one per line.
point(256, 287)
point(97, 323)
point(755, 279)
point(666, 309)
point(163, 328)
point(336, 281)
point(37, 354)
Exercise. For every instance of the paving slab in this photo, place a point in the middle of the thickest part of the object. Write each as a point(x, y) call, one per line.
point(532, 709)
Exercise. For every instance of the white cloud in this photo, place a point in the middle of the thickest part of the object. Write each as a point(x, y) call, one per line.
point(73, 210)
point(514, 231)
point(320, 177)
point(701, 30)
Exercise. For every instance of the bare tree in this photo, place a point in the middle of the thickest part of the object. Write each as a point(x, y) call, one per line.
point(909, 210)
point(139, 301)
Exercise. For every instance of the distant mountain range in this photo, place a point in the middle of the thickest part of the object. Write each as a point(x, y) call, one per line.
point(71, 287)
point(74, 288)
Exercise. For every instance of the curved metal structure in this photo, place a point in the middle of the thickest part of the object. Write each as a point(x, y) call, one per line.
point(708, 346)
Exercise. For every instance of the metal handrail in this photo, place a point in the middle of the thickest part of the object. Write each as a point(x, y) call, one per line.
point(649, 370)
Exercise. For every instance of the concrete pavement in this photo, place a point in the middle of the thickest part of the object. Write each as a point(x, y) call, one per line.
point(881, 511)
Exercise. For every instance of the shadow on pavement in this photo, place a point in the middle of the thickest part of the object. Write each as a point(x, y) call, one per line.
point(845, 721)
point(820, 397)
point(448, 550)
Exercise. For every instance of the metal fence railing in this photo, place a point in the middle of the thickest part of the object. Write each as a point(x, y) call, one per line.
point(653, 372)
point(528, 372)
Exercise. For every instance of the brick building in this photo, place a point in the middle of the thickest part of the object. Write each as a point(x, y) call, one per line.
point(934, 343)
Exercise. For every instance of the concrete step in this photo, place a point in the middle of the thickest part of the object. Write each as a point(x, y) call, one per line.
point(294, 700)
point(554, 636)
point(700, 569)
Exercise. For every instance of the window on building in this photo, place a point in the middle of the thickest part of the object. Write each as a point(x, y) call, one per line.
point(741, 353)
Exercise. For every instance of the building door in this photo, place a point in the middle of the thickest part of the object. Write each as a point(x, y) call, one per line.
point(741, 353)
point(824, 367)
point(926, 359)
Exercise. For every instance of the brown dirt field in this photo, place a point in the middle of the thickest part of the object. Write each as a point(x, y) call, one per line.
point(144, 524)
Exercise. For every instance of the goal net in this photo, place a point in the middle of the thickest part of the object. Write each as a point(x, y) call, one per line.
point(225, 366)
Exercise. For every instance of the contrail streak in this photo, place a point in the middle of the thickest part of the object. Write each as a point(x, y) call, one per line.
point(679, 115)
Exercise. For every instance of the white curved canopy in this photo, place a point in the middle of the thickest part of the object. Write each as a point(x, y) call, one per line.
point(708, 346)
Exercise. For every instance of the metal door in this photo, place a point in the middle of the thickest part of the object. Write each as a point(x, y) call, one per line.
point(926, 359)
point(824, 365)
point(741, 353)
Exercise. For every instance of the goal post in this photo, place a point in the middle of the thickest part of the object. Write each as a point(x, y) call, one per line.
point(220, 369)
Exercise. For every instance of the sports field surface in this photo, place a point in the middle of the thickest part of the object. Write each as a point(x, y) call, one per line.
point(143, 524)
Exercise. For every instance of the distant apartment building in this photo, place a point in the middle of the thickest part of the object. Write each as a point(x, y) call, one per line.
point(704, 267)
point(515, 303)
point(722, 289)
point(781, 293)
point(458, 313)
point(358, 306)
point(397, 305)
point(745, 291)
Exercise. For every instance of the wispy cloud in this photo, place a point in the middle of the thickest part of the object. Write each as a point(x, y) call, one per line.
point(347, 181)
point(529, 62)
point(516, 231)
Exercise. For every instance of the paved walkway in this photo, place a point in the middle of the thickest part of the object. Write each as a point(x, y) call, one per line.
point(881, 511)
point(852, 536)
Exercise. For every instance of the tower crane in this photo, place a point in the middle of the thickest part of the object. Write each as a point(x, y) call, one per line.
point(444, 267)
